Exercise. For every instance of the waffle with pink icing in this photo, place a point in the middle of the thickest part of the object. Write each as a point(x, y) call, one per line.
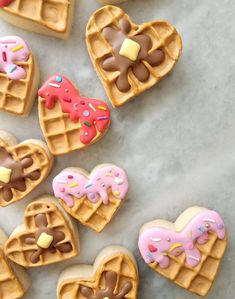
point(93, 198)
point(187, 252)
point(19, 76)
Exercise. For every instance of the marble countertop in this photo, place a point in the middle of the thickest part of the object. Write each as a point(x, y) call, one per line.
point(175, 141)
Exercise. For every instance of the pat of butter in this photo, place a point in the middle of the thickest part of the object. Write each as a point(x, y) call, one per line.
point(5, 174)
point(44, 241)
point(130, 49)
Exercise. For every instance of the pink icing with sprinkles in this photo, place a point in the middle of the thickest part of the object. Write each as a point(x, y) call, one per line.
point(155, 243)
point(13, 49)
point(94, 187)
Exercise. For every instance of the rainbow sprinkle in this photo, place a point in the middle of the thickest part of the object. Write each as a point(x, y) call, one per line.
point(103, 118)
point(73, 185)
point(12, 68)
point(92, 107)
point(88, 185)
point(87, 123)
point(102, 108)
point(18, 48)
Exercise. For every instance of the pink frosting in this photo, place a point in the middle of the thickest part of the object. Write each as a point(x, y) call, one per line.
point(13, 49)
point(69, 185)
point(5, 2)
point(156, 242)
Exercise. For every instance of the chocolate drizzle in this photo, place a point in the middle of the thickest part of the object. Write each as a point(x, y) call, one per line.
point(18, 176)
point(58, 236)
point(122, 64)
point(108, 292)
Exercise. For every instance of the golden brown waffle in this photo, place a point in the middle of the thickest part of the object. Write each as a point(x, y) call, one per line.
point(62, 134)
point(163, 35)
point(18, 251)
point(45, 17)
point(112, 259)
point(42, 161)
point(94, 215)
point(18, 96)
point(200, 279)
point(11, 285)
point(90, 197)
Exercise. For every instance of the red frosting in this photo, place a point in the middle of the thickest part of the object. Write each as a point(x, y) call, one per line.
point(93, 114)
point(5, 2)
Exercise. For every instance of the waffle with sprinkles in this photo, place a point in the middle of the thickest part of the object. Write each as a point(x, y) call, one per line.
point(130, 58)
point(68, 120)
point(47, 236)
point(188, 252)
point(114, 275)
point(19, 76)
point(46, 17)
point(93, 199)
point(14, 280)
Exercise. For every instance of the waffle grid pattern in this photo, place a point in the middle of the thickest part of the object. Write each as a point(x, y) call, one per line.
point(50, 13)
point(94, 215)
point(41, 163)
point(61, 134)
point(8, 280)
point(163, 35)
point(19, 252)
point(120, 264)
point(13, 94)
point(197, 280)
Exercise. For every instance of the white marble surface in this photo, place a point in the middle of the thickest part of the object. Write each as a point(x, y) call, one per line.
point(176, 141)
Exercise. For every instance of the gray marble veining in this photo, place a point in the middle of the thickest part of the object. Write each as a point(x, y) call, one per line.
point(176, 141)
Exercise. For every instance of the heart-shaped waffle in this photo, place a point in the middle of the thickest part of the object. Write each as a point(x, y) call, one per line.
point(68, 120)
point(93, 198)
point(52, 18)
point(188, 251)
point(19, 76)
point(130, 58)
point(114, 275)
point(47, 236)
point(23, 166)
point(14, 280)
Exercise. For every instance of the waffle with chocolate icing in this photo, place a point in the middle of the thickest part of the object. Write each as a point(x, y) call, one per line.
point(52, 18)
point(113, 273)
point(14, 280)
point(28, 162)
point(47, 236)
point(155, 48)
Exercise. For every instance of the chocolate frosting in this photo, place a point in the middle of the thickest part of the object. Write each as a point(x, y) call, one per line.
point(58, 236)
point(18, 176)
point(123, 64)
point(108, 292)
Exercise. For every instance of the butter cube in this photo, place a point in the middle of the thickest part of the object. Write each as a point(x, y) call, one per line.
point(5, 175)
point(44, 241)
point(130, 49)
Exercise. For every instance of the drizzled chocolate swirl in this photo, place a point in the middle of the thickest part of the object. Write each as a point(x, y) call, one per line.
point(17, 179)
point(122, 64)
point(56, 236)
point(108, 292)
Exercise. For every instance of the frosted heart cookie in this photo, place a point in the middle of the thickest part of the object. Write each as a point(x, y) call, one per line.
point(19, 76)
point(52, 18)
point(14, 280)
point(188, 251)
point(93, 198)
point(23, 166)
point(47, 236)
point(114, 275)
point(130, 58)
point(68, 120)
